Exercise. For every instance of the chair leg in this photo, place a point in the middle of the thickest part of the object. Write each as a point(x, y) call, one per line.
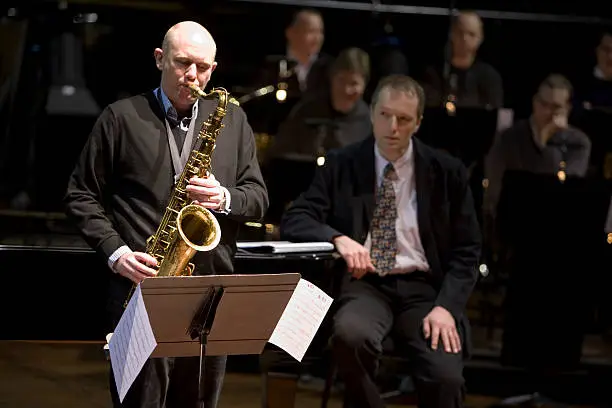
point(329, 382)
point(279, 390)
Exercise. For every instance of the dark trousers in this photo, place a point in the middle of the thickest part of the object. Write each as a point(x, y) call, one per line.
point(166, 382)
point(173, 383)
point(374, 307)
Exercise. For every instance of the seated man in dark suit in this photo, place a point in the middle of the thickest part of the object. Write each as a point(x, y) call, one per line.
point(401, 215)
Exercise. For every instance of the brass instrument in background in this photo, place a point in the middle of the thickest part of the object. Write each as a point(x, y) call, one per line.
point(188, 228)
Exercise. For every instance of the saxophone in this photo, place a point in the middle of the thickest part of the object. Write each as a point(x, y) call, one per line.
point(188, 228)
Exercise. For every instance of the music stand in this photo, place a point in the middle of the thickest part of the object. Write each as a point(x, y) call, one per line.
point(555, 238)
point(468, 134)
point(276, 173)
point(215, 315)
point(597, 125)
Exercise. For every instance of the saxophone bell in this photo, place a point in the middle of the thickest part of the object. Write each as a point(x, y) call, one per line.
point(198, 231)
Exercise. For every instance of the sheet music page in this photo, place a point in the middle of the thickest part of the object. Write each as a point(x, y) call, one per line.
point(279, 247)
point(505, 119)
point(301, 319)
point(131, 343)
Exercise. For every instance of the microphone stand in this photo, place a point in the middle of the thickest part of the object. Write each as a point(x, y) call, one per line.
point(285, 70)
point(323, 128)
point(450, 82)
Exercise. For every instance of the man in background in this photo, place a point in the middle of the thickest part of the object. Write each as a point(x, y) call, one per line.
point(595, 90)
point(305, 66)
point(332, 119)
point(540, 143)
point(463, 79)
point(318, 123)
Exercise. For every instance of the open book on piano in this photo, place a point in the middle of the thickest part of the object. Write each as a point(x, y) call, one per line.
point(284, 247)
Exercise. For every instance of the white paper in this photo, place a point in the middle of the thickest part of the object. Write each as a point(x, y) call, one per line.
point(301, 319)
point(505, 119)
point(278, 247)
point(131, 344)
point(608, 226)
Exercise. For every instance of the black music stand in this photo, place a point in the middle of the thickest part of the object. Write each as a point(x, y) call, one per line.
point(215, 315)
point(597, 124)
point(468, 134)
point(554, 239)
point(276, 173)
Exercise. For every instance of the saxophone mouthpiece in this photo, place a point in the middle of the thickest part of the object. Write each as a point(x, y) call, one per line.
point(196, 92)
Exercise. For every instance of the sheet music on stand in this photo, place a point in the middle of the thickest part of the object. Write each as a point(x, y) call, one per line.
point(133, 328)
point(284, 247)
point(205, 315)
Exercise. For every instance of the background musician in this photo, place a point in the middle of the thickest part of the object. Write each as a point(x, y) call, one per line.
point(119, 189)
point(307, 65)
point(473, 83)
point(341, 112)
point(594, 90)
point(319, 122)
point(539, 144)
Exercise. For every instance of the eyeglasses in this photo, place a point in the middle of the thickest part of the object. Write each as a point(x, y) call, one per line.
point(550, 105)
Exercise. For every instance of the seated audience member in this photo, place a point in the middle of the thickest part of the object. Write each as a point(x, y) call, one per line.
point(331, 119)
point(401, 215)
point(540, 143)
point(463, 78)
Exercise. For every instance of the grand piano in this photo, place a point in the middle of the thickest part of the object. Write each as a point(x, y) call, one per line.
point(55, 286)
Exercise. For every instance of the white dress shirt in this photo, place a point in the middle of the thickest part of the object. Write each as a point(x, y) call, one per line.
point(410, 253)
point(302, 70)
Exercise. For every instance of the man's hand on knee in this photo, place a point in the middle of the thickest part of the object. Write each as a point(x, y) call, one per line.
point(440, 324)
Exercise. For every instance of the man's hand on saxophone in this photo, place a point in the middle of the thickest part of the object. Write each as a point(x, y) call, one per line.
point(206, 192)
point(136, 266)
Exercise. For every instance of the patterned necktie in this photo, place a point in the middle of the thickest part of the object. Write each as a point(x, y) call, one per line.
point(384, 241)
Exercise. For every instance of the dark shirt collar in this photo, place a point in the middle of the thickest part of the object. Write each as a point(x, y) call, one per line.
point(170, 110)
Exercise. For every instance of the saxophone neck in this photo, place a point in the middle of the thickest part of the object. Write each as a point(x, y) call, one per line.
point(215, 93)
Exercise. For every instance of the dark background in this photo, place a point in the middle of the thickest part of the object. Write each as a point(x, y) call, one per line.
point(525, 41)
point(65, 288)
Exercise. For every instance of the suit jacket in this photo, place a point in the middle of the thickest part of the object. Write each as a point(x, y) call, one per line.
point(341, 201)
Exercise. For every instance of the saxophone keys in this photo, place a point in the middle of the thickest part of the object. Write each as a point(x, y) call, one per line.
point(189, 269)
